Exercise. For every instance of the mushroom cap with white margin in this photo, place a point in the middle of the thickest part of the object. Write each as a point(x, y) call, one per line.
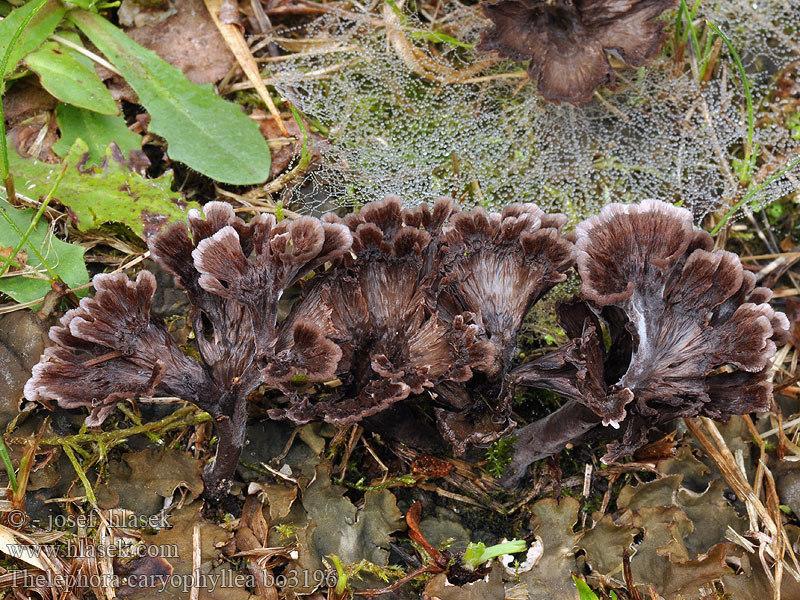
point(695, 315)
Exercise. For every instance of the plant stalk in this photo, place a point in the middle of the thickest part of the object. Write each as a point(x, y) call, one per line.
point(231, 436)
point(548, 436)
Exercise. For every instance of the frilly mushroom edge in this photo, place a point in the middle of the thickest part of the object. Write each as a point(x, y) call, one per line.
point(566, 41)
point(111, 347)
point(690, 334)
point(430, 300)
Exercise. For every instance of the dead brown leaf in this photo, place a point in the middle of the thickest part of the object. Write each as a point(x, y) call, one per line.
point(23, 338)
point(490, 588)
point(34, 137)
point(144, 479)
point(679, 555)
point(332, 524)
point(138, 13)
point(216, 579)
point(224, 14)
point(24, 99)
point(190, 41)
point(551, 577)
point(793, 313)
point(20, 259)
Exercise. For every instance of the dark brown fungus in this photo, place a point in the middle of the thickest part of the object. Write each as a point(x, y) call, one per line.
point(566, 40)
point(580, 372)
point(111, 348)
point(429, 298)
point(690, 334)
point(405, 301)
point(378, 306)
point(495, 266)
point(703, 334)
point(576, 371)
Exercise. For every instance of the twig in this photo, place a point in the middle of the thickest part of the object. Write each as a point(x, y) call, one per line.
point(388, 589)
point(238, 46)
point(87, 53)
point(283, 57)
point(194, 594)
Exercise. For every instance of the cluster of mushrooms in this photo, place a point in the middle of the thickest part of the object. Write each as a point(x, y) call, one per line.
point(423, 302)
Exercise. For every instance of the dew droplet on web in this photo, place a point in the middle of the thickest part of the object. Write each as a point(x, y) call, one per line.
point(495, 141)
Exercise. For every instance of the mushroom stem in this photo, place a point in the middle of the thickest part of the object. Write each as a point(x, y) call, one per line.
point(231, 432)
point(548, 436)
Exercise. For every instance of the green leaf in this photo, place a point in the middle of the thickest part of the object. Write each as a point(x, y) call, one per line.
point(110, 193)
point(438, 38)
point(65, 259)
point(473, 555)
point(584, 591)
point(499, 455)
point(37, 31)
point(69, 79)
point(477, 553)
point(98, 131)
point(203, 131)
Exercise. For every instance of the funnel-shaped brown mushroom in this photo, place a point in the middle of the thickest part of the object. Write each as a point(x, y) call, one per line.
point(111, 348)
point(495, 266)
point(234, 274)
point(703, 336)
point(690, 334)
point(378, 307)
point(566, 40)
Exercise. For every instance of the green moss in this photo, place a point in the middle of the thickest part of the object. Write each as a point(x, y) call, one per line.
point(499, 455)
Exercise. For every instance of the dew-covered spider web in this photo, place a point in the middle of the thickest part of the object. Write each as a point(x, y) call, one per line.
point(419, 119)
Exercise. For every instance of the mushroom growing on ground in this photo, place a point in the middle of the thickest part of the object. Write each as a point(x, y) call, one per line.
point(495, 266)
point(379, 307)
point(566, 40)
point(426, 304)
point(703, 333)
point(417, 300)
point(111, 347)
point(700, 334)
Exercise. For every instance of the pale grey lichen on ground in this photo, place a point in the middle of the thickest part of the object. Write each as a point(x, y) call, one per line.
point(396, 124)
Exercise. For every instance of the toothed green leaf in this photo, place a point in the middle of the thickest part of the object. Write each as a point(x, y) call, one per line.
point(104, 194)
